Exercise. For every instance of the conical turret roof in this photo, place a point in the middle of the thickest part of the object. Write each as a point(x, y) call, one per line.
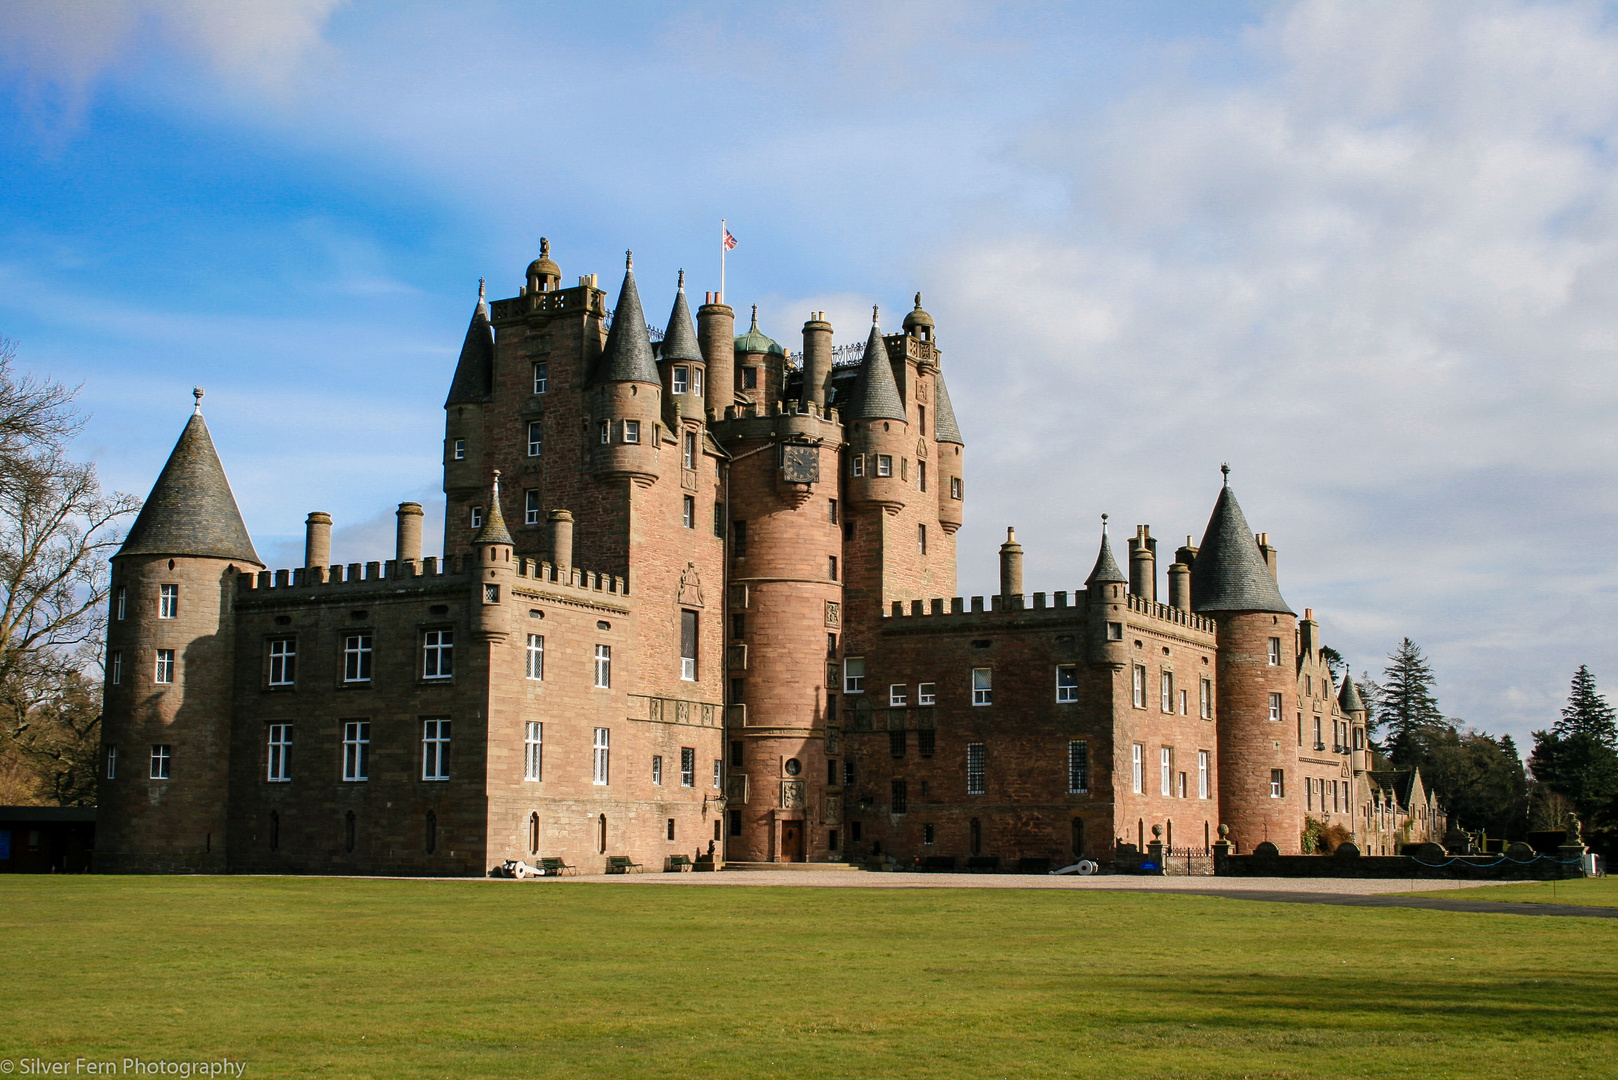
point(1230, 573)
point(1106, 570)
point(494, 529)
point(474, 372)
point(680, 336)
point(628, 355)
point(191, 510)
point(1348, 698)
point(876, 395)
point(945, 429)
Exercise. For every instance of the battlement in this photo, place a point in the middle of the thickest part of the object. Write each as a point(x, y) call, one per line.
point(1179, 616)
point(558, 302)
point(998, 607)
point(752, 410)
point(460, 568)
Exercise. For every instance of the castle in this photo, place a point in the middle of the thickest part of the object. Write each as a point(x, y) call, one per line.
point(696, 597)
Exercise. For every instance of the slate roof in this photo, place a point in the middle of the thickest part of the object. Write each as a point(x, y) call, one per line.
point(945, 429)
point(494, 529)
point(876, 395)
point(1230, 573)
point(1106, 569)
point(680, 337)
point(474, 372)
point(1348, 698)
point(628, 353)
point(191, 510)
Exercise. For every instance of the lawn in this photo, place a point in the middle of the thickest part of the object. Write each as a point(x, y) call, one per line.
point(1590, 892)
point(332, 977)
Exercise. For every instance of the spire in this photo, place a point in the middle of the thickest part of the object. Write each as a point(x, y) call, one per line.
point(191, 510)
point(680, 337)
point(474, 372)
point(1348, 698)
point(876, 395)
point(1230, 573)
point(945, 429)
point(1106, 570)
point(494, 529)
point(628, 354)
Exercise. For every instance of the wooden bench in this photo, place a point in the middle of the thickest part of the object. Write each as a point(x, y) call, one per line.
point(556, 867)
point(622, 864)
point(983, 862)
point(677, 864)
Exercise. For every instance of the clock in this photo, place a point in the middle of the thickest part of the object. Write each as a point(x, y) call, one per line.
point(800, 463)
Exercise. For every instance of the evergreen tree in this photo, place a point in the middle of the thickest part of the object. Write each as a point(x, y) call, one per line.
point(1407, 708)
point(1334, 662)
point(1479, 780)
point(1587, 712)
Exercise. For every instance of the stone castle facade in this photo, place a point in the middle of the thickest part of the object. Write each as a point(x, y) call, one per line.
point(696, 598)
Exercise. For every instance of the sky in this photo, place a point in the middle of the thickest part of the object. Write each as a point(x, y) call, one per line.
point(1364, 252)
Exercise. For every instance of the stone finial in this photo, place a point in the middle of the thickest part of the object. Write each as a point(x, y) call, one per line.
point(1224, 831)
point(544, 248)
point(873, 314)
point(1103, 524)
point(682, 277)
point(629, 260)
point(197, 392)
point(1157, 832)
point(1224, 470)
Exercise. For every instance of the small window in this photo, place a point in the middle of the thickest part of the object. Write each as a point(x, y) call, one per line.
point(122, 604)
point(688, 645)
point(856, 465)
point(901, 798)
point(897, 742)
point(1140, 687)
point(955, 487)
point(696, 381)
point(927, 833)
point(438, 654)
point(854, 675)
point(719, 519)
point(357, 750)
point(1078, 767)
point(738, 538)
point(926, 693)
point(1182, 703)
point(688, 511)
point(831, 506)
point(603, 668)
point(115, 668)
point(1067, 683)
point(1202, 774)
point(476, 517)
point(435, 750)
point(606, 432)
point(530, 507)
point(280, 752)
point(668, 826)
point(657, 770)
point(162, 758)
point(982, 686)
point(536, 657)
point(283, 662)
point(631, 431)
point(165, 666)
point(1166, 690)
point(921, 538)
point(737, 749)
point(749, 378)
point(688, 766)
point(921, 474)
point(1277, 784)
point(112, 763)
point(688, 453)
point(976, 781)
point(1137, 760)
point(1115, 631)
point(897, 695)
point(168, 601)
point(602, 746)
point(1275, 706)
point(831, 567)
point(1166, 767)
point(460, 450)
point(926, 745)
point(1205, 699)
point(542, 377)
point(1275, 652)
point(884, 465)
point(356, 658)
point(718, 772)
point(681, 380)
point(536, 438)
point(738, 625)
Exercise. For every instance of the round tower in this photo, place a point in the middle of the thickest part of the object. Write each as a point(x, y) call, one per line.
point(760, 367)
point(165, 728)
point(1260, 794)
point(1106, 601)
point(951, 468)
point(493, 546)
point(684, 367)
point(626, 400)
point(817, 361)
point(877, 430)
point(716, 333)
point(469, 394)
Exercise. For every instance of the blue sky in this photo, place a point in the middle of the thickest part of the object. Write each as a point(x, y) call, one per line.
point(1365, 252)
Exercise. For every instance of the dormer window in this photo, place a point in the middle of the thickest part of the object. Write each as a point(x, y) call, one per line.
point(681, 379)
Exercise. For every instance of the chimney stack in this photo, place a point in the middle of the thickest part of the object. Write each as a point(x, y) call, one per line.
point(1011, 570)
point(317, 539)
point(407, 538)
point(816, 360)
point(1180, 586)
point(716, 335)
point(1263, 540)
point(561, 539)
point(1143, 563)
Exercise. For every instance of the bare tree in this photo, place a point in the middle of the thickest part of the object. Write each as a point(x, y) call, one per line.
point(57, 531)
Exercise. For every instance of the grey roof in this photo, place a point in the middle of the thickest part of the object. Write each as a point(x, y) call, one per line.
point(628, 355)
point(876, 395)
point(191, 510)
point(1348, 698)
point(1230, 573)
point(474, 372)
point(1106, 570)
point(680, 337)
point(494, 529)
point(945, 429)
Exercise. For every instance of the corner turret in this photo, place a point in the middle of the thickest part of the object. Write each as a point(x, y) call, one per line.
point(684, 367)
point(627, 393)
point(760, 366)
point(493, 545)
point(877, 431)
point(1106, 602)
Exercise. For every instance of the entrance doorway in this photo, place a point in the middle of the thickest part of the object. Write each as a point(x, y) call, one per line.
point(792, 841)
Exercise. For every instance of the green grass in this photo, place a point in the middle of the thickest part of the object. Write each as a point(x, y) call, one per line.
point(332, 977)
point(1589, 892)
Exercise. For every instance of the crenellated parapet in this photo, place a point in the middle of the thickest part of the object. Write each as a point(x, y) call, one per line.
point(316, 581)
point(1008, 607)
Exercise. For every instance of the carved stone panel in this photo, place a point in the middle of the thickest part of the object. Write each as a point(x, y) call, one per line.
point(792, 794)
point(833, 807)
point(736, 789)
point(834, 613)
point(690, 586)
point(834, 740)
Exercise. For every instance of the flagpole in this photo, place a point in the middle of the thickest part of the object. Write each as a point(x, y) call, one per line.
point(721, 260)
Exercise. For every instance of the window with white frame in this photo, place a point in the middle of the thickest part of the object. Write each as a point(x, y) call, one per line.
point(168, 601)
point(884, 465)
point(459, 451)
point(631, 431)
point(897, 696)
point(1137, 754)
point(688, 452)
point(688, 511)
point(533, 750)
point(283, 662)
point(1277, 784)
point(115, 667)
point(1165, 690)
point(438, 654)
point(165, 666)
point(955, 487)
point(112, 763)
point(162, 758)
point(718, 771)
point(856, 465)
point(356, 750)
point(926, 693)
point(606, 432)
point(530, 507)
point(688, 645)
point(696, 381)
point(603, 668)
point(854, 675)
point(1182, 703)
point(976, 780)
point(1275, 706)
point(1078, 767)
point(536, 438)
point(280, 752)
point(476, 517)
point(1205, 699)
point(657, 769)
point(435, 750)
point(1202, 774)
point(688, 766)
point(1140, 686)
point(542, 377)
point(921, 538)
point(982, 686)
point(1067, 683)
point(602, 750)
point(122, 603)
point(680, 379)
point(356, 658)
point(536, 657)
point(1275, 652)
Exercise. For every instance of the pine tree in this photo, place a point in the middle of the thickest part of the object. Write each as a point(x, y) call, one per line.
point(1587, 712)
point(1408, 709)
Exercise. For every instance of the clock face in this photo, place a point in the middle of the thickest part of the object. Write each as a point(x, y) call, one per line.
point(800, 464)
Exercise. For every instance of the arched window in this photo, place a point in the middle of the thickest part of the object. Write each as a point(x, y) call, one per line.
point(533, 833)
point(275, 830)
point(348, 831)
point(601, 835)
point(1078, 838)
point(976, 837)
point(432, 832)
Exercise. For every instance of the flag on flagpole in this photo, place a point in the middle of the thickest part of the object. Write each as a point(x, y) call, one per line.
point(729, 241)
